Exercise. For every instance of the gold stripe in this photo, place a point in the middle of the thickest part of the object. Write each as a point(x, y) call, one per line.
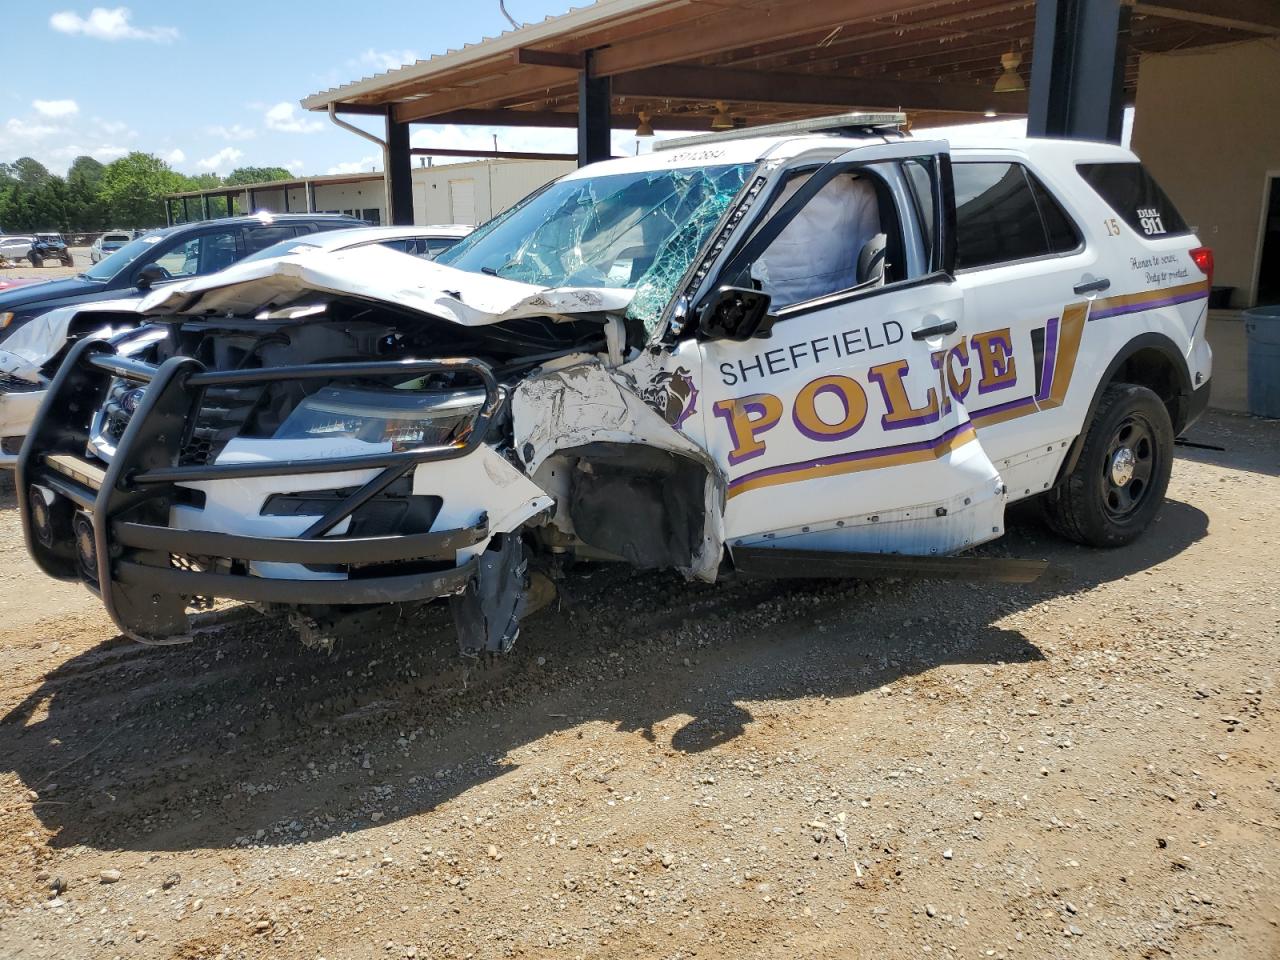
point(820, 471)
point(983, 419)
point(1129, 299)
point(1070, 333)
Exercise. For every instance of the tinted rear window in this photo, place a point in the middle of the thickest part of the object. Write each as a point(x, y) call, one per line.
point(1133, 194)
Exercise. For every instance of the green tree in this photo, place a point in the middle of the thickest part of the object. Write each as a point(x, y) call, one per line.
point(134, 186)
point(202, 181)
point(257, 175)
point(31, 173)
point(85, 208)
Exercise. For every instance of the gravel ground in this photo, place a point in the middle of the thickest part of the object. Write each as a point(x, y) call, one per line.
point(51, 270)
point(1083, 767)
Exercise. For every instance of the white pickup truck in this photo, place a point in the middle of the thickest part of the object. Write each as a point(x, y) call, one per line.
point(820, 349)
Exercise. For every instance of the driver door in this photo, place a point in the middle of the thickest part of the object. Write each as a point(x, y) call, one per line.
point(199, 255)
point(845, 428)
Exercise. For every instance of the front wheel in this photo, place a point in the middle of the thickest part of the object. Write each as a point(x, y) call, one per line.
point(1120, 480)
point(36, 260)
point(68, 261)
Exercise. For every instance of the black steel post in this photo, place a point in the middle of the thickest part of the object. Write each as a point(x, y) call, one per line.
point(186, 211)
point(593, 116)
point(1077, 70)
point(398, 167)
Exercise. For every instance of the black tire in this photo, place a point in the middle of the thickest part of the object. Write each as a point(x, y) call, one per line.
point(68, 261)
point(1130, 437)
point(36, 260)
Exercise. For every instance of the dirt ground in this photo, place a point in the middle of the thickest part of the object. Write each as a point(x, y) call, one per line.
point(1083, 767)
point(49, 271)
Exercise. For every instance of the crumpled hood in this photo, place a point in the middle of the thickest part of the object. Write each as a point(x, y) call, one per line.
point(34, 344)
point(376, 273)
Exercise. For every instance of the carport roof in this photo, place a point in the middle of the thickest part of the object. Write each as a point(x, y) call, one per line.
point(765, 60)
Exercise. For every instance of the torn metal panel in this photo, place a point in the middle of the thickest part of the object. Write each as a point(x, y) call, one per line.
point(375, 273)
point(577, 411)
point(35, 343)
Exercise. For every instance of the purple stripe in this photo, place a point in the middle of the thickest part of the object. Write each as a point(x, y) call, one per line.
point(1050, 359)
point(1146, 305)
point(852, 457)
point(1001, 407)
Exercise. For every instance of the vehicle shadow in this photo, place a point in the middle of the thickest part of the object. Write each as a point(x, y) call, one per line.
point(247, 737)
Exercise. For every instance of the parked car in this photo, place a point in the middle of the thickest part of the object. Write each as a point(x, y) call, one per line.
point(50, 246)
point(107, 244)
point(16, 247)
point(428, 242)
point(29, 358)
point(780, 352)
point(164, 256)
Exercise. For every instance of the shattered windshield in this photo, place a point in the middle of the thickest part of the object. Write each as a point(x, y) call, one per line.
point(638, 231)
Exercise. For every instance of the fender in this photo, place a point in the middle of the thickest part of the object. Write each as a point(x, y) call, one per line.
point(1166, 347)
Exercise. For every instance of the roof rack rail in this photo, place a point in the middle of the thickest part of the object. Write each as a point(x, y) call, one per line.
point(856, 122)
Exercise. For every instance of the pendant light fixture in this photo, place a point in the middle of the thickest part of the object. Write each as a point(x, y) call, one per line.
point(1010, 81)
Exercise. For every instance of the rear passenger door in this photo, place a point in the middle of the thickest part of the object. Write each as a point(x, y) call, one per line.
point(1021, 259)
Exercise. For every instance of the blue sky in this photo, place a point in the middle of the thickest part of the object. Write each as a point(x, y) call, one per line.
point(215, 85)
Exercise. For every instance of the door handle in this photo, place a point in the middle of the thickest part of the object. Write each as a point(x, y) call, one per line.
point(1092, 286)
point(939, 329)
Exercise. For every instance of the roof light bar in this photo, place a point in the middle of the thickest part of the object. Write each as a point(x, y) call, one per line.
point(840, 123)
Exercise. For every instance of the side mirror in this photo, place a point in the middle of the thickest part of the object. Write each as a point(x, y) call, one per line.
point(149, 275)
point(735, 313)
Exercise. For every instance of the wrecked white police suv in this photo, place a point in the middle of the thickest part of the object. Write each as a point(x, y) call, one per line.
point(830, 350)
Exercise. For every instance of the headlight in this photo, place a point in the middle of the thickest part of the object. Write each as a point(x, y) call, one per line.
point(406, 420)
point(6, 318)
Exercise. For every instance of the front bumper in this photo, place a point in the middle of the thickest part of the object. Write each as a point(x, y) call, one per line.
point(111, 527)
point(19, 403)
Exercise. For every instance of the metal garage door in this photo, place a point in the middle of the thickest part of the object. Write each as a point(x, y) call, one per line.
point(462, 201)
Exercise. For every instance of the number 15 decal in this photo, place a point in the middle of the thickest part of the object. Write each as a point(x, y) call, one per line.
point(1113, 226)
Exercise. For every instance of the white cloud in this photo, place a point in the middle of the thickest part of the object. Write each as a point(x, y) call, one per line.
point(22, 130)
point(56, 108)
point(174, 156)
point(233, 132)
point(363, 165)
point(284, 117)
point(106, 154)
point(115, 127)
point(113, 24)
point(220, 162)
point(295, 167)
point(382, 60)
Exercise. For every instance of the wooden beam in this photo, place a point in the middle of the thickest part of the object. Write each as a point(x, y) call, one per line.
point(729, 29)
point(495, 154)
point(521, 81)
point(710, 83)
point(620, 119)
point(528, 57)
point(367, 109)
point(1253, 16)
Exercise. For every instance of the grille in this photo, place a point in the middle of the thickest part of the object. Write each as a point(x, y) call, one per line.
point(223, 411)
point(11, 384)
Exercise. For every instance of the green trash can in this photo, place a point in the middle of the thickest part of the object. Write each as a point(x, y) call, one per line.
point(1262, 340)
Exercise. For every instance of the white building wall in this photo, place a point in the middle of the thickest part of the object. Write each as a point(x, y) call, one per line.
point(492, 185)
